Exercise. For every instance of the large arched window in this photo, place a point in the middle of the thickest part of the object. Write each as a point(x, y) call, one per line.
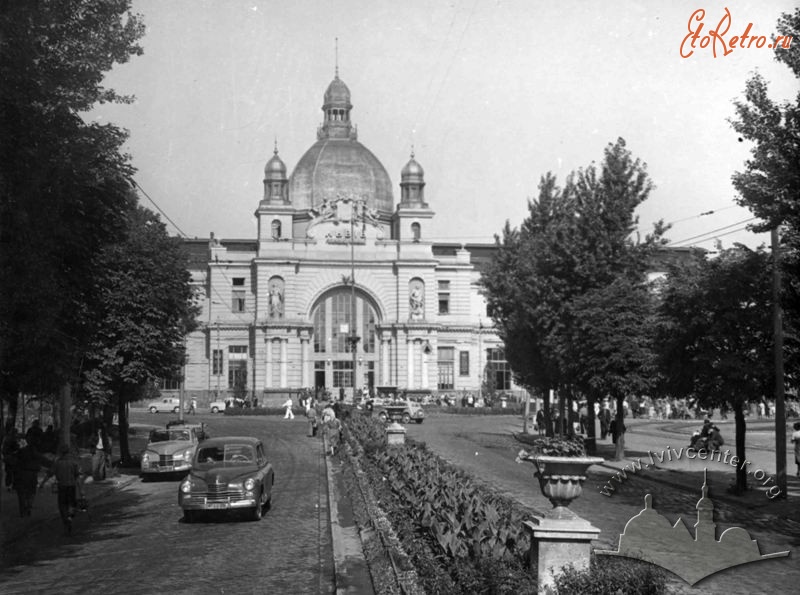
point(333, 316)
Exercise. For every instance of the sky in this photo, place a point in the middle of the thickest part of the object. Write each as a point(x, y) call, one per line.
point(491, 94)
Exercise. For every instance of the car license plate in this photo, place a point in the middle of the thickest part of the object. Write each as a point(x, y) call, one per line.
point(166, 468)
point(216, 505)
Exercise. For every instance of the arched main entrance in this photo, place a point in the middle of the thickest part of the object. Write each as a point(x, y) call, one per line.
point(336, 366)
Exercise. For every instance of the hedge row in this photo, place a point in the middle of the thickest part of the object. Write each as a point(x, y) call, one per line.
point(463, 537)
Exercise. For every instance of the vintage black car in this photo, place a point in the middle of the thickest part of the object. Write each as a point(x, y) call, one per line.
point(229, 473)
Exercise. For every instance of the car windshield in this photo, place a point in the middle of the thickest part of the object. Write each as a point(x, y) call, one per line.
point(166, 435)
point(227, 453)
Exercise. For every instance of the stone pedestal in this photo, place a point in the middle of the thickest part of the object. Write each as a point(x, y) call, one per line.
point(395, 434)
point(557, 543)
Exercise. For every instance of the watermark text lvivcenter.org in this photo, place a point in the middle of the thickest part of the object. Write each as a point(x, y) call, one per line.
point(671, 454)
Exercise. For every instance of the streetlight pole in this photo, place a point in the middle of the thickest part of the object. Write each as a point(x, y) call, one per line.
point(780, 409)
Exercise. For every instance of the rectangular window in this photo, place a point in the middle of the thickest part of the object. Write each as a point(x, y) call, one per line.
point(170, 383)
point(444, 297)
point(217, 362)
point(463, 363)
point(498, 372)
point(446, 365)
point(238, 281)
point(319, 330)
point(342, 374)
point(237, 300)
point(237, 374)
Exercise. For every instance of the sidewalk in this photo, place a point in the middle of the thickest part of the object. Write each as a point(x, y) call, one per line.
point(45, 506)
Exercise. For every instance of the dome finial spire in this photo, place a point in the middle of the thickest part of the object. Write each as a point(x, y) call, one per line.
point(275, 149)
point(336, 52)
point(412, 150)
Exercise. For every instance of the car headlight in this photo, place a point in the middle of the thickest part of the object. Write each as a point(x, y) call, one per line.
point(249, 484)
point(145, 458)
point(187, 454)
point(186, 486)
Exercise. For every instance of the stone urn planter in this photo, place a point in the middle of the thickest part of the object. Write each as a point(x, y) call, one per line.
point(561, 467)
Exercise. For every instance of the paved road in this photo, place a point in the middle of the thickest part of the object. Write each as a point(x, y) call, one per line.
point(484, 447)
point(136, 541)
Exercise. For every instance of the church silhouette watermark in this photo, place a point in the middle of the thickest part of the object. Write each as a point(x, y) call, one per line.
point(649, 536)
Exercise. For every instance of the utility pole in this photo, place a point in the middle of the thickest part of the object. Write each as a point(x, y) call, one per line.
point(353, 336)
point(777, 323)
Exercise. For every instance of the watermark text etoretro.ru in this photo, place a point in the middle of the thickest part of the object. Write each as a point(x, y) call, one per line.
point(671, 454)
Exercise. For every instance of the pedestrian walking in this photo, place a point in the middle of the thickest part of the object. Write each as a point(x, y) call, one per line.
point(311, 415)
point(193, 406)
point(334, 430)
point(101, 452)
point(66, 469)
point(9, 452)
point(288, 404)
point(26, 476)
point(796, 442)
point(540, 422)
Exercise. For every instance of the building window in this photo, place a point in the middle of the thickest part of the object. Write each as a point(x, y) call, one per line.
point(342, 374)
point(319, 331)
point(446, 365)
point(217, 362)
point(463, 363)
point(170, 383)
point(416, 232)
point(276, 229)
point(498, 373)
point(444, 297)
point(238, 281)
point(237, 366)
point(237, 300)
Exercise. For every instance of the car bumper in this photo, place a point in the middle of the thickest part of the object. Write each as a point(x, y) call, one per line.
point(156, 469)
point(202, 502)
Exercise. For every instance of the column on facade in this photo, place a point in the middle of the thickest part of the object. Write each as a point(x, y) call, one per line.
point(410, 367)
point(284, 363)
point(385, 375)
point(268, 364)
point(424, 367)
point(304, 362)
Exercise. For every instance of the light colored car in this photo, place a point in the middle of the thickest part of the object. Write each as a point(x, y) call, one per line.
point(402, 411)
point(166, 405)
point(228, 474)
point(216, 406)
point(171, 450)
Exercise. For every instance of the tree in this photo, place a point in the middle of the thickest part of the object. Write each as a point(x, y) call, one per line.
point(575, 244)
point(770, 184)
point(64, 184)
point(148, 307)
point(714, 334)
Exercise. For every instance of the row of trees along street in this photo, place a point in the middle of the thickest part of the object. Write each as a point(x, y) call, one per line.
point(95, 300)
point(568, 291)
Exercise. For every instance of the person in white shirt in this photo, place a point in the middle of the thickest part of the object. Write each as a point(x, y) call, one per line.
point(288, 405)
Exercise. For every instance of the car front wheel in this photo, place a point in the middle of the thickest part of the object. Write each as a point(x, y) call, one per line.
point(175, 411)
point(256, 513)
point(382, 416)
point(406, 418)
point(215, 410)
point(153, 410)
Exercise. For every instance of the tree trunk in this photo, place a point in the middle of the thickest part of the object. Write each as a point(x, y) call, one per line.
point(122, 420)
point(591, 435)
point(741, 426)
point(619, 453)
point(548, 422)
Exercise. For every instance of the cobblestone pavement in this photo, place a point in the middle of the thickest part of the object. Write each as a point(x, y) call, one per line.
point(485, 447)
point(134, 541)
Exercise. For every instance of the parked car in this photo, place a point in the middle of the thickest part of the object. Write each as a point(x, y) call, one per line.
point(166, 405)
point(171, 450)
point(216, 406)
point(229, 473)
point(402, 411)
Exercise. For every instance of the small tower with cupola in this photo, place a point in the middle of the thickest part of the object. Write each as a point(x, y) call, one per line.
point(413, 214)
point(274, 212)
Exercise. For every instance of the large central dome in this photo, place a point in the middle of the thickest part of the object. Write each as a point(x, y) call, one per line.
point(337, 164)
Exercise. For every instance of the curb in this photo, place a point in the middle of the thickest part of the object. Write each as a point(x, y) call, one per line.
point(351, 571)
